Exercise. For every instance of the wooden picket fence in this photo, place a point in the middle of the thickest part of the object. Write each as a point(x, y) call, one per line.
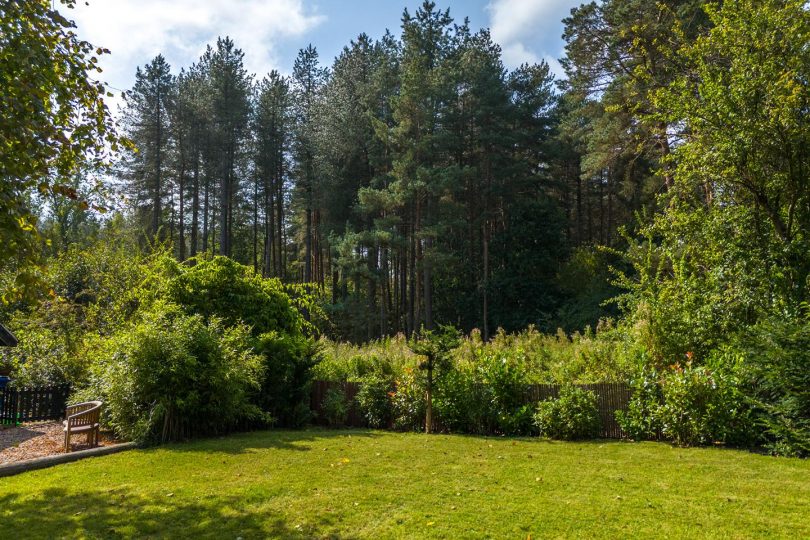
point(18, 405)
point(318, 394)
point(610, 397)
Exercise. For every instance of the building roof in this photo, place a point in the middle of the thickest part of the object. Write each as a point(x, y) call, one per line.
point(7, 339)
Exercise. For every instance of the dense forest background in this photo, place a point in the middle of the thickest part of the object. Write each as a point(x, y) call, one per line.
point(415, 180)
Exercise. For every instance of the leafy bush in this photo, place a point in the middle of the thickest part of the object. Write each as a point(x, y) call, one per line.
point(701, 406)
point(335, 407)
point(485, 396)
point(342, 361)
point(94, 293)
point(221, 287)
point(608, 354)
point(641, 420)
point(287, 361)
point(374, 400)
point(463, 403)
point(507, 383)
point(408, 401)
point(51, 346)
point(688, 405)
point(573, 415)
point(778, 358)
point(173, 376)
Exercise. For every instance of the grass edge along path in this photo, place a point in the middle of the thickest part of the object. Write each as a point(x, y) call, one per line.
point(373, 484)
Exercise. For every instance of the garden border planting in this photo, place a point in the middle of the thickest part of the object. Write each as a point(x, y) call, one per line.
point(610, 397)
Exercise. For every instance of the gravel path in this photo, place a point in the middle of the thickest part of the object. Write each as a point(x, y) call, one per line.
point(41, 439)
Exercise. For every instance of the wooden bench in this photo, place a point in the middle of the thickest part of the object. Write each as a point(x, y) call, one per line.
point(82, 418)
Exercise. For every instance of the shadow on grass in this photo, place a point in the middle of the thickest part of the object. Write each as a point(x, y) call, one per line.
point(245, 442)
point(57, 513)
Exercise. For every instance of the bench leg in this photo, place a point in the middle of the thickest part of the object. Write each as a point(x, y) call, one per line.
point(67, 441)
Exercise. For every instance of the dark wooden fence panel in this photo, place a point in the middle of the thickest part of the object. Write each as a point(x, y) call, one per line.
point(610, 397)
point(350, 389)
point(19, 405)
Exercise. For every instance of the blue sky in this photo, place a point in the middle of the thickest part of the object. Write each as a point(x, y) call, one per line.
point(271, 31)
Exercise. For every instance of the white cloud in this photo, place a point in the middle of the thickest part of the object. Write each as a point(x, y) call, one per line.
point(529, 30)
point(516, 53)
point(555, 66)
point(135, 31)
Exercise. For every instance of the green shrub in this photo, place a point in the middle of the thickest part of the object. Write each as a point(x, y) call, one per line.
point(374, 400)
point(641, 420)
point(113, 300)
point(573, 415)
point(701, 406)
point(606, 355)
point(287, 361)
point(487, 395)
point(93, 295)
point(221, 287)
point(507, 383)
point(335, 407)
point(688, 405)
point(173, 376)
point(463, 404)
point(777, 357)
point(51, 346)
point(408, 401)
point(346, 362)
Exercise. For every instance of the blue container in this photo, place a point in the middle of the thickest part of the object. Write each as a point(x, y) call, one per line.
point(4, 381)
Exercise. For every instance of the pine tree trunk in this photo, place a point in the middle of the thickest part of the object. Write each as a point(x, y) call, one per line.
point(205, 216)
point(195, 205)
point(589, 210)
point(371, 265)
point(267, 255)
point(411, 307)
point(256, 225)
point(485, 285)
point(427, 275)
point(579, 210)
point(308, 241)
point(181, 238)
point(171, 214)
point(610, 208)
point(281, 259)
point(156, 195)
point(223, 214)
point(602, 207)
point(385, 289)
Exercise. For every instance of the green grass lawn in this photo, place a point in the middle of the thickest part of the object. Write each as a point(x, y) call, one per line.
point(371, 484)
